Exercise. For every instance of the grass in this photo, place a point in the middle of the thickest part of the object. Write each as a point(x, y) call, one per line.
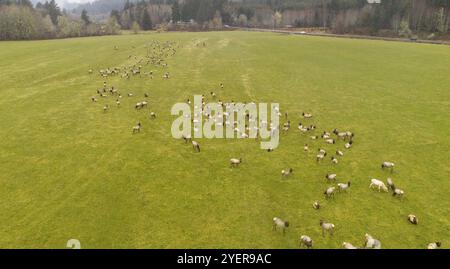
point(68, 170)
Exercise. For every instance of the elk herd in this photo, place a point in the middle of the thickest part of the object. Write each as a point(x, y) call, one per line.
point(156, 56)
point(328, 228)
point(342, 140)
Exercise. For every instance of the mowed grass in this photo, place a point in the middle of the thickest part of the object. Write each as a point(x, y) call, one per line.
point(68, 170)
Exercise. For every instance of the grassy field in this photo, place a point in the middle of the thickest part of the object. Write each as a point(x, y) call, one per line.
point(68, 170)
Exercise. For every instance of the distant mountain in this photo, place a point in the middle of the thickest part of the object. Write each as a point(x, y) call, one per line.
point(34, 2)
point(64, 4)
point(67, 4)
point(100, 10)
point(97, 10)
point(101, 6)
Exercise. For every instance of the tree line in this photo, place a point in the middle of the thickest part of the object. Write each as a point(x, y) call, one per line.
point(389, 18)
point(407, 18)
point(138, 15)
point(20, 20)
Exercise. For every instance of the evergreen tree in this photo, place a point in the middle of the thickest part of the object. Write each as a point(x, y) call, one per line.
point(53, 11)
point(85, 18)
point(146, 22)
point(127, 5)
point(204, 12)
point(116, 14)
point(176, 13)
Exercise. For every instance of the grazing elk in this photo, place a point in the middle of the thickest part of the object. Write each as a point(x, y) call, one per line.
point(413, 219)
point(434, 245)
point(330, 192)
point(280, 224)
point(196, 146)
point(287, 173)
point(388, 165)
point(379, 184)
point(307, 115)
point(327, 227)
point(344, 187)
point(331, 177)
point(372, 243)
point(235, 162)
point(137, 128)
point(316, 205)
point(306, 241)
point(347, 245)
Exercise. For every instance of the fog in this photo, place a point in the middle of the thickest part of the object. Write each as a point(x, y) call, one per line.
point(62, 3)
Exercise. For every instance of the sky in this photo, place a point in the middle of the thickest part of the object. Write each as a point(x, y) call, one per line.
point(74, 1)
point(61, 2)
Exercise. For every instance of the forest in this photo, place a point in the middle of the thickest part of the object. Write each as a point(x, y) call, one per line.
point(404, 18)
point(20, 20)
point(426, 19)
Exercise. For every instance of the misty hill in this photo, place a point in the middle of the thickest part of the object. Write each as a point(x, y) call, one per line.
point(64, 4)
point(100, 9)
